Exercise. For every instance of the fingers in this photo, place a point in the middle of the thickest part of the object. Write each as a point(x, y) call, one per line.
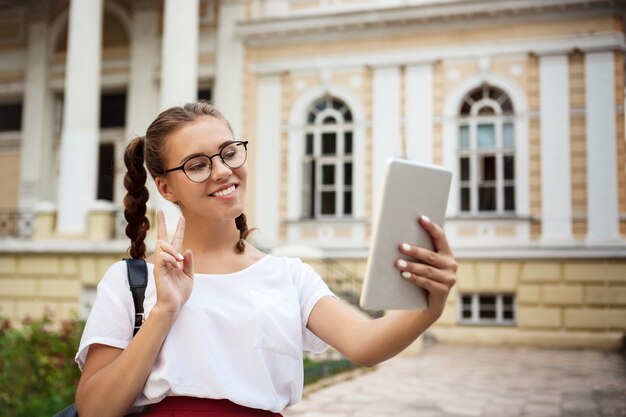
point(161, 227)
point(433, 287)
point(166, 252)
point(188, 263)
point(410, 270)
point(429, 257)
point(437, 235)
point(177, 241)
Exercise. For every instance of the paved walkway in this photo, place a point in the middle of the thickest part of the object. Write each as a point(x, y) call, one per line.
point(451, 381)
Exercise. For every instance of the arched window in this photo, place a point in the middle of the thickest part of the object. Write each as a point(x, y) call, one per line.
point(487, 152)
point(327, 160)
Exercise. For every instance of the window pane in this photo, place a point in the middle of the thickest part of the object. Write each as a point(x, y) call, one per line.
point(347, 202)
point(329, 143)
point(509, 167)
point(10, 117)
point(347, 116)
point(507, 107)
point(113, 110)
point(486, 111)
point(106, 171)
point(466, 300)
point(309, 144)
point(465, 169)
point(507, 300)
point(311, 118)
point(465, 199)
point(329, 120)
point(486, 198)
point(308, 193)
point(347, 173)
point(328, 174)
point(205, 94)
point(464, 137)
point(508, 135)
point(509, 198)
point(320, 105)
point(487, 301)
point(328, 202)
point(337, 105)
point(488, 168)
point(508, 315)
point(487, 314)
point(467, 314)
point(486, 136)
point(465, 109)
point(347, 143)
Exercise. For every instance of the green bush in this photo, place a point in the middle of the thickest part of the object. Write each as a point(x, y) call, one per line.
point(316, 370)
point(38, 375)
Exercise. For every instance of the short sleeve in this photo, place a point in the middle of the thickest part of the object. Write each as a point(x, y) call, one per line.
point(311, 288)
point(110, 321)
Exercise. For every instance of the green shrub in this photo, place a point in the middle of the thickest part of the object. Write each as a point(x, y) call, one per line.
point(316, 370)
point(38, 375)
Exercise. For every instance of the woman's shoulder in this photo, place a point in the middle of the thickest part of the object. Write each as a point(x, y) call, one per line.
point(116, 276)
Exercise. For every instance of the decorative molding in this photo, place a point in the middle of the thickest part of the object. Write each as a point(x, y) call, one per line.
point(327, 22)
point(416, 56)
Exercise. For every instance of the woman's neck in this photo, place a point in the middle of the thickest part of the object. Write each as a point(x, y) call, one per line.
point(210, 236)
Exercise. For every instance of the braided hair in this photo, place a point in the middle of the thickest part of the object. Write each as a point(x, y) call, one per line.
point(148, 149)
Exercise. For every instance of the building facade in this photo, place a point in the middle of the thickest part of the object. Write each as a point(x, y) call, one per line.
point(522, 100)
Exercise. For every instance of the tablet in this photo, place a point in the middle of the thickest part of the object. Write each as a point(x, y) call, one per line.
point(410, 189)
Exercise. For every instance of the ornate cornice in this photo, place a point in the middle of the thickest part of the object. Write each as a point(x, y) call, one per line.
point(429, 55)
point(433, 13)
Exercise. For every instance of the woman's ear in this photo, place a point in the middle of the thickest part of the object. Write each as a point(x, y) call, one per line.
point(165, 190)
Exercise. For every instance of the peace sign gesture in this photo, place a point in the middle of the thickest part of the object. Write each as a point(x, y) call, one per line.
point(173, 281)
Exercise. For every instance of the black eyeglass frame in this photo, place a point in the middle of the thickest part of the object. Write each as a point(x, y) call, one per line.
point(235, 142)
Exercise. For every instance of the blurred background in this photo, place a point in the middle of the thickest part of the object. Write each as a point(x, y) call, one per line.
point(522, 100)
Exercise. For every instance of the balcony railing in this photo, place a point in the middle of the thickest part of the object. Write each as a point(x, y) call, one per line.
point(16, 223)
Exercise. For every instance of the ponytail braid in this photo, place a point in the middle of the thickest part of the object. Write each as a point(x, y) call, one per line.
point(136, 197)
point(242, 226)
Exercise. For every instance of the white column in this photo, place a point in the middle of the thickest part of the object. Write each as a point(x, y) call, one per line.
point(36, 141)
point(419, 113)
point(179, 69)
point(267, 146)
point(143, 92)
point(79, 140)
point(385, 124)
point(179, 63)
point(229, 64)
point(602, 191)
point(556, 202)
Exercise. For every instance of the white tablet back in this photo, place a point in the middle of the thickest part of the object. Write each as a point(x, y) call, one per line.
point(409, 190)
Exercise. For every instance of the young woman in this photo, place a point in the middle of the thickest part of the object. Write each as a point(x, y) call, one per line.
point(226, 324)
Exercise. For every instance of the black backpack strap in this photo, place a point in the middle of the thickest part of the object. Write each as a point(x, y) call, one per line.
point(138, 281)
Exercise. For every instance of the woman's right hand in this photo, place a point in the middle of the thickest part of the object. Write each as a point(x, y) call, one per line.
point(173, 281)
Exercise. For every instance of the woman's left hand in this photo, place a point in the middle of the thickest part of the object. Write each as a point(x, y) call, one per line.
point(435, 271)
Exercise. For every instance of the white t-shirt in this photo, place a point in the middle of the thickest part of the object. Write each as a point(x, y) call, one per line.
point(240, 336)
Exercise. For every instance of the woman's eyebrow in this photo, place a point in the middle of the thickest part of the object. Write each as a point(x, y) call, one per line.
point(193, 155)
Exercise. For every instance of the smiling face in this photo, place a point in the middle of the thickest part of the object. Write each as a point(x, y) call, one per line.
point(221, 196)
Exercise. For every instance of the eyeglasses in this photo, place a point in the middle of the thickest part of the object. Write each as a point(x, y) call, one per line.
point(198, 168)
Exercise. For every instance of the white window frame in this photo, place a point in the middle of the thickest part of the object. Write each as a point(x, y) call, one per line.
point(317, 129)
point(498, 121)
point(475, 309)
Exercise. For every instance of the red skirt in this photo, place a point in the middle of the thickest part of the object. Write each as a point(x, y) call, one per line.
point(202, 407)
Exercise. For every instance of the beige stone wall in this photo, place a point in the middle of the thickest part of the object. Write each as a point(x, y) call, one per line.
point(566, 303)
point(559, 302)
point(569, 303)
point(578, 144)
point(10, 185)
point(30, 284)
